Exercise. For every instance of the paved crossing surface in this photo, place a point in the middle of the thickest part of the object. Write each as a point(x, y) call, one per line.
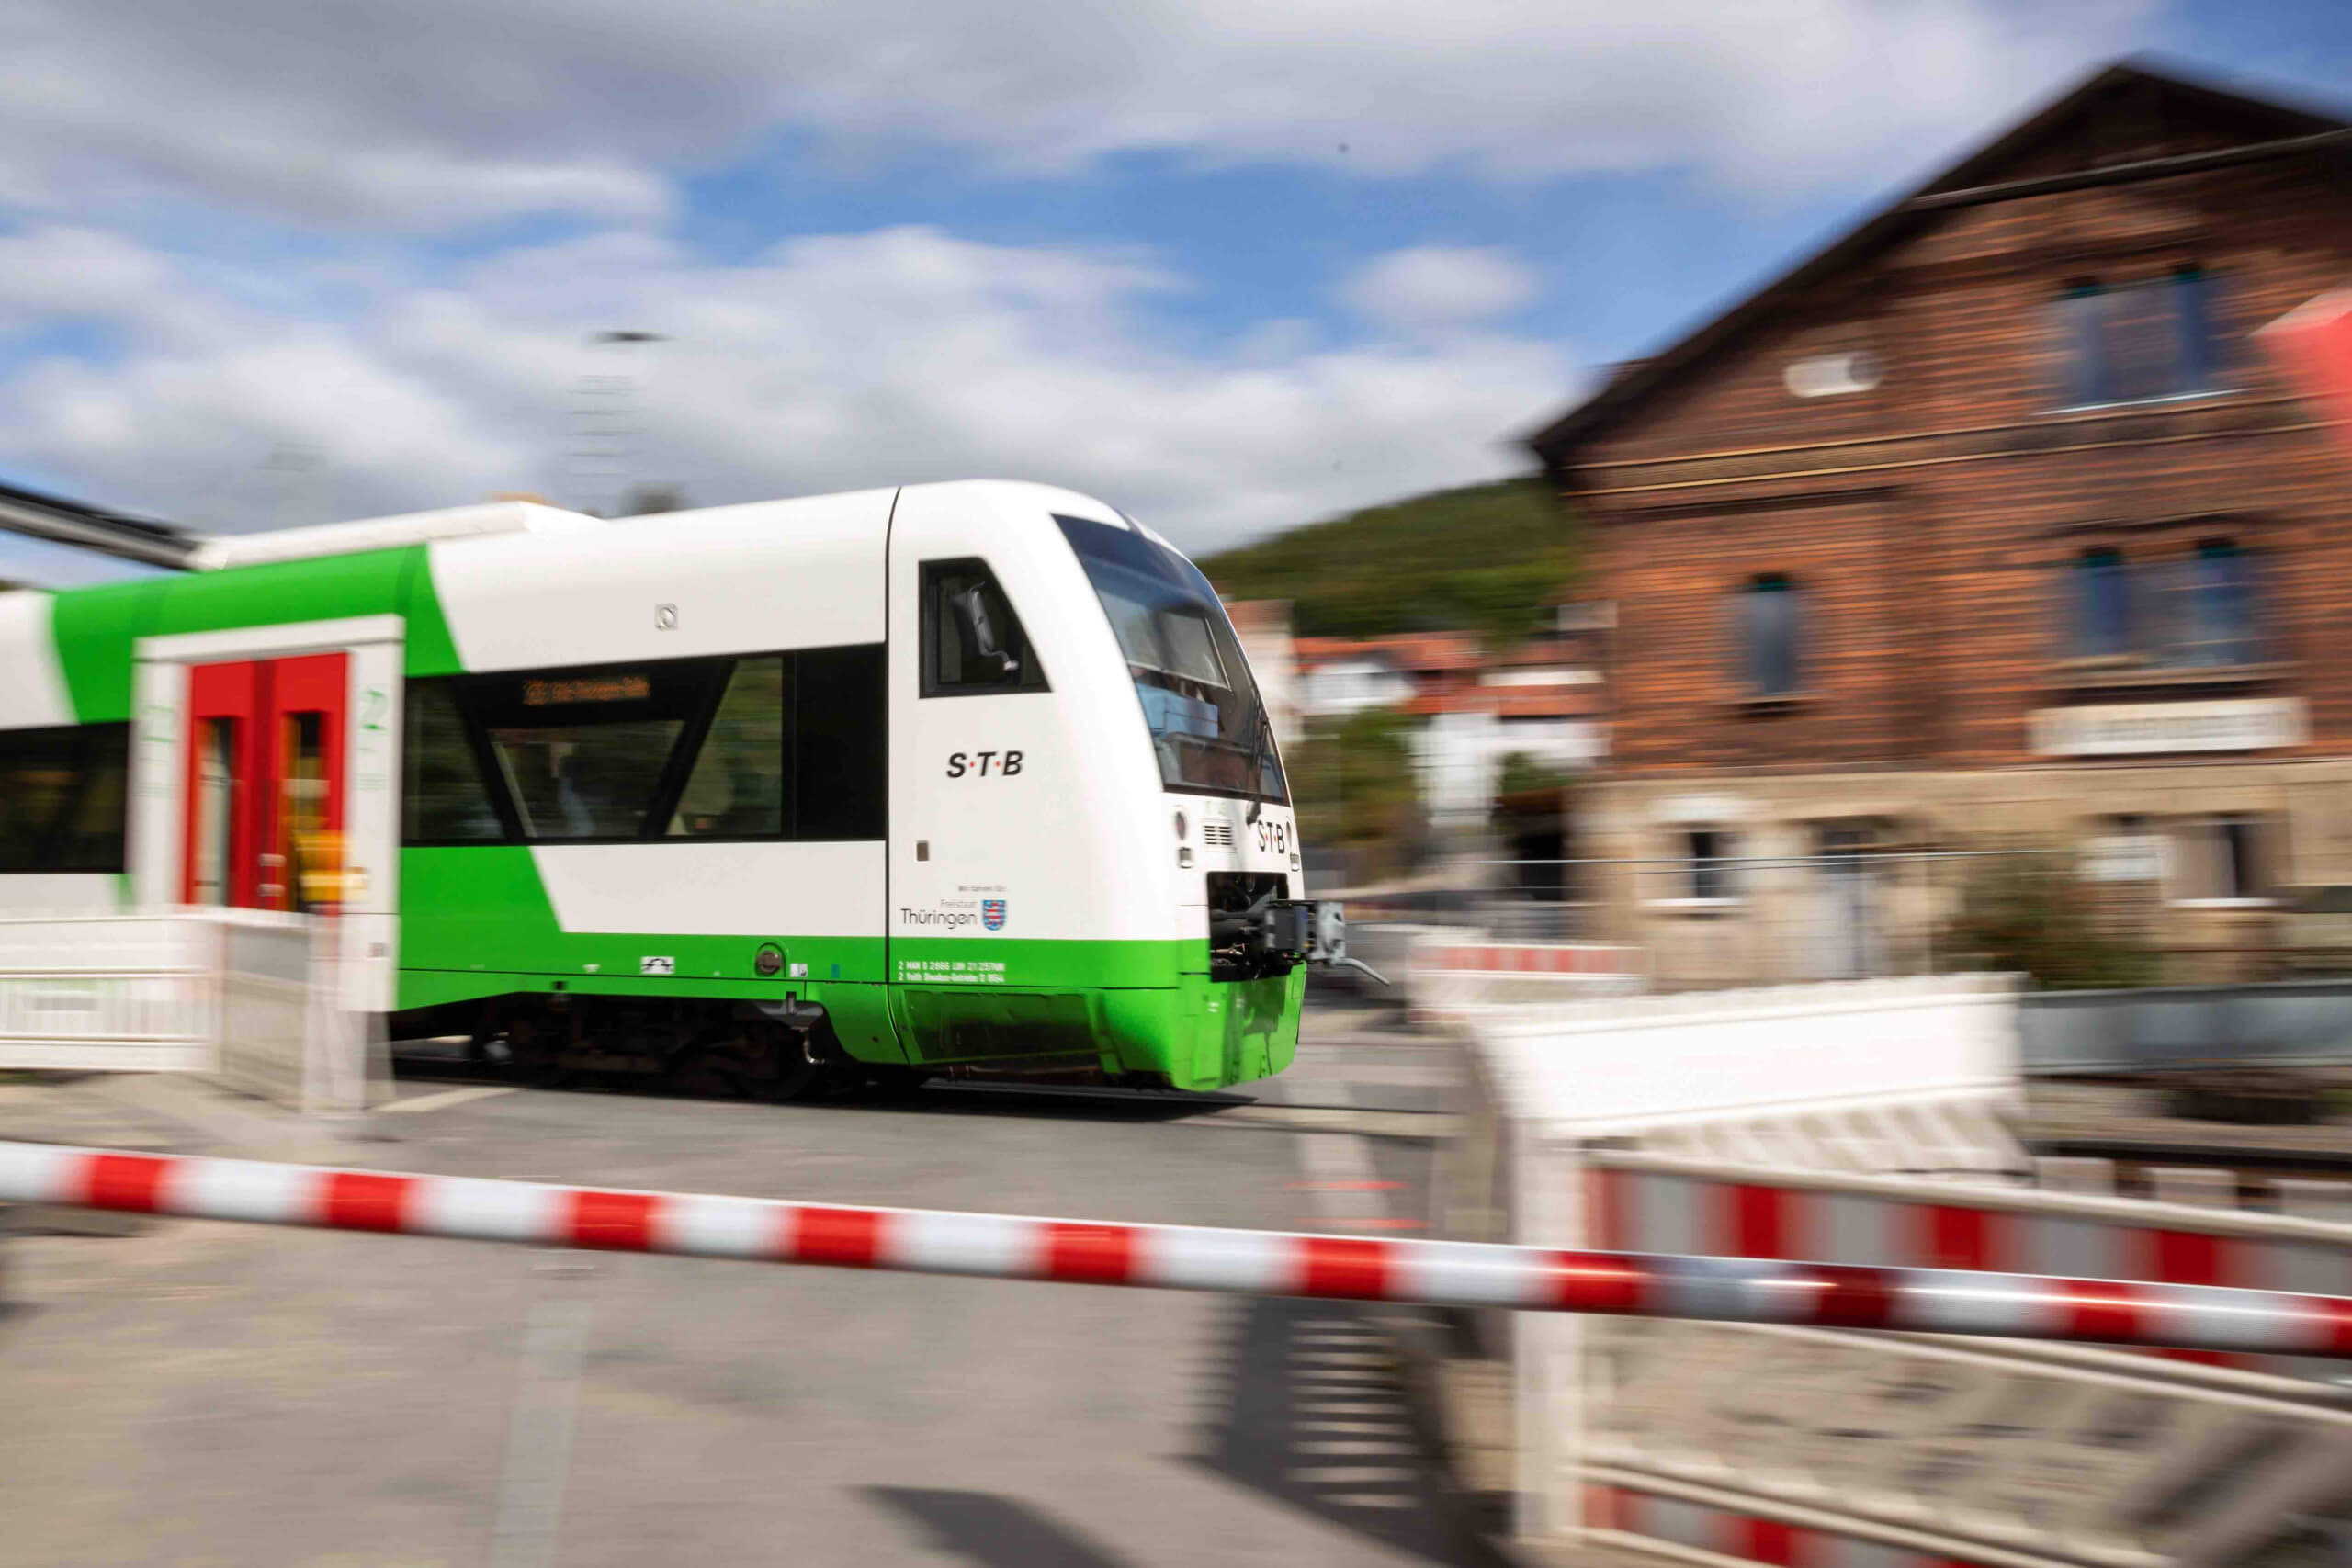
point(202, 1394)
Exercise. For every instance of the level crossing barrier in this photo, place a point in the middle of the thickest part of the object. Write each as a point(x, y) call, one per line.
point(1449, 973)
point(1647, 1203)
point(1183, 1258)
point(1867, 1124)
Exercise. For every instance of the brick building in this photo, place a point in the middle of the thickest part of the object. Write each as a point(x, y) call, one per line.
point(1989, 524)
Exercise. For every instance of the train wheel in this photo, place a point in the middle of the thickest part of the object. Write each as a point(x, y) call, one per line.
point(536, 1052)
point(780, 1070)
point(695, 1070)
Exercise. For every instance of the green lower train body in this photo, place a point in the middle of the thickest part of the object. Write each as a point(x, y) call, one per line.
point(477, 926)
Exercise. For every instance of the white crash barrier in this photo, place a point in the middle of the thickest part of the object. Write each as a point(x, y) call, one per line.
point(1450, 975)
point(130, 993)
point(1863, 1123)
point(248, 998)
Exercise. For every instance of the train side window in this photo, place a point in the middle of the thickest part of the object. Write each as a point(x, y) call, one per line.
point(89, 835)
point(593, 754)
point(738, 788)
point(839, 758)
point(972, 641)
point(442, 797)
point(61, 798)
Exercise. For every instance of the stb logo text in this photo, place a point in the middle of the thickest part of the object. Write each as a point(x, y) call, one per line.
point(992, 913)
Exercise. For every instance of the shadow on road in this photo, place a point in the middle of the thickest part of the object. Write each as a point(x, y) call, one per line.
point(998, 1532)
point(1314, 1419)
point(1070, 1102)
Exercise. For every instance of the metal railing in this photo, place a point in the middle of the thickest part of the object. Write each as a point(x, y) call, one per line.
point(1709, 922)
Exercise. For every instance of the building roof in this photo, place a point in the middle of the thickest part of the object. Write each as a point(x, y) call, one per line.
point(1506, 702)
point(1571, 650)
point(1406, 650)
point(2266, 127)
point(1257, 614)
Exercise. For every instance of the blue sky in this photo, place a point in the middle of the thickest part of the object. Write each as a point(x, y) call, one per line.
point(1232, 266)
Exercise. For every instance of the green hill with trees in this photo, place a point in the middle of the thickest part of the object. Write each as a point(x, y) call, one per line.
point(1486, 559)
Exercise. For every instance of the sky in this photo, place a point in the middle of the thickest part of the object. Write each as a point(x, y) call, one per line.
point(1232, 266)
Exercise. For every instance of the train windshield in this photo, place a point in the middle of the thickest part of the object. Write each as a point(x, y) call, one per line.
point(1207, 725)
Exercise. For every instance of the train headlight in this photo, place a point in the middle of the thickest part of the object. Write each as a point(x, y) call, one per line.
point(1179, 824)
point(770, 960)
point(1185, 855)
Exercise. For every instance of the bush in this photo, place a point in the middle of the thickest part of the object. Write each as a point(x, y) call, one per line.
point(1524, 774)
point(2032, 914)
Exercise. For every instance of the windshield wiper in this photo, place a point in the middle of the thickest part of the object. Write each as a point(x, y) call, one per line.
point(1257, 739)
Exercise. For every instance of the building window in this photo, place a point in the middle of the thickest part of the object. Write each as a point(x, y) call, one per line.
point(2102, 610)
point(1769, 608)
point(2132, 342)
point(2226, 857)
point(2241, 860)
point(2197, 347)
point(2201, 611)
point(1709, 854)
point(2220, 608)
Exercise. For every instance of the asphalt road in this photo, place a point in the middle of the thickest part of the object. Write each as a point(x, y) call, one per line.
point(202, 1394)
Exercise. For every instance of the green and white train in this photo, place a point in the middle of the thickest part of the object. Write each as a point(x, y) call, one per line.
point(950, 777)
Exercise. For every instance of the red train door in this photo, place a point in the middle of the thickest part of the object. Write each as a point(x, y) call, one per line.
point(265, 782)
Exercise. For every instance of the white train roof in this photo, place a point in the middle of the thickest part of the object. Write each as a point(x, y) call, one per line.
point(386, 532)
point(494, 519)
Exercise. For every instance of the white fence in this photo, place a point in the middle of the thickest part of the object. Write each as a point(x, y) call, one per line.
point(118, 992)
point(249, 998)
point(1863, 1124)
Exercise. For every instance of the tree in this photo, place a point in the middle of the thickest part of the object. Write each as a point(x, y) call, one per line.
point(1354, 784)
point(1490, 558)
point(1524, 774)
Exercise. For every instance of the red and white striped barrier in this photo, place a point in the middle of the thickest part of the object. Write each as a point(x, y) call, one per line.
point(1259, 1263)
point(1533, 958)
point(1648, 1203)
point(1641, 1518)
point(1447, 979)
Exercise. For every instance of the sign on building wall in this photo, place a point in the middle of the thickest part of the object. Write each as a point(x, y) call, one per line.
point(2252, 724)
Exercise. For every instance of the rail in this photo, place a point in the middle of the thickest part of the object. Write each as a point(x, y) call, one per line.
point(1244, 1262)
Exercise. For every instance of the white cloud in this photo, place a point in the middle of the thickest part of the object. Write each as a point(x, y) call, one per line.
point(1439, 287)
point(835, 361)
point(64, 273)
point(443, 112)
